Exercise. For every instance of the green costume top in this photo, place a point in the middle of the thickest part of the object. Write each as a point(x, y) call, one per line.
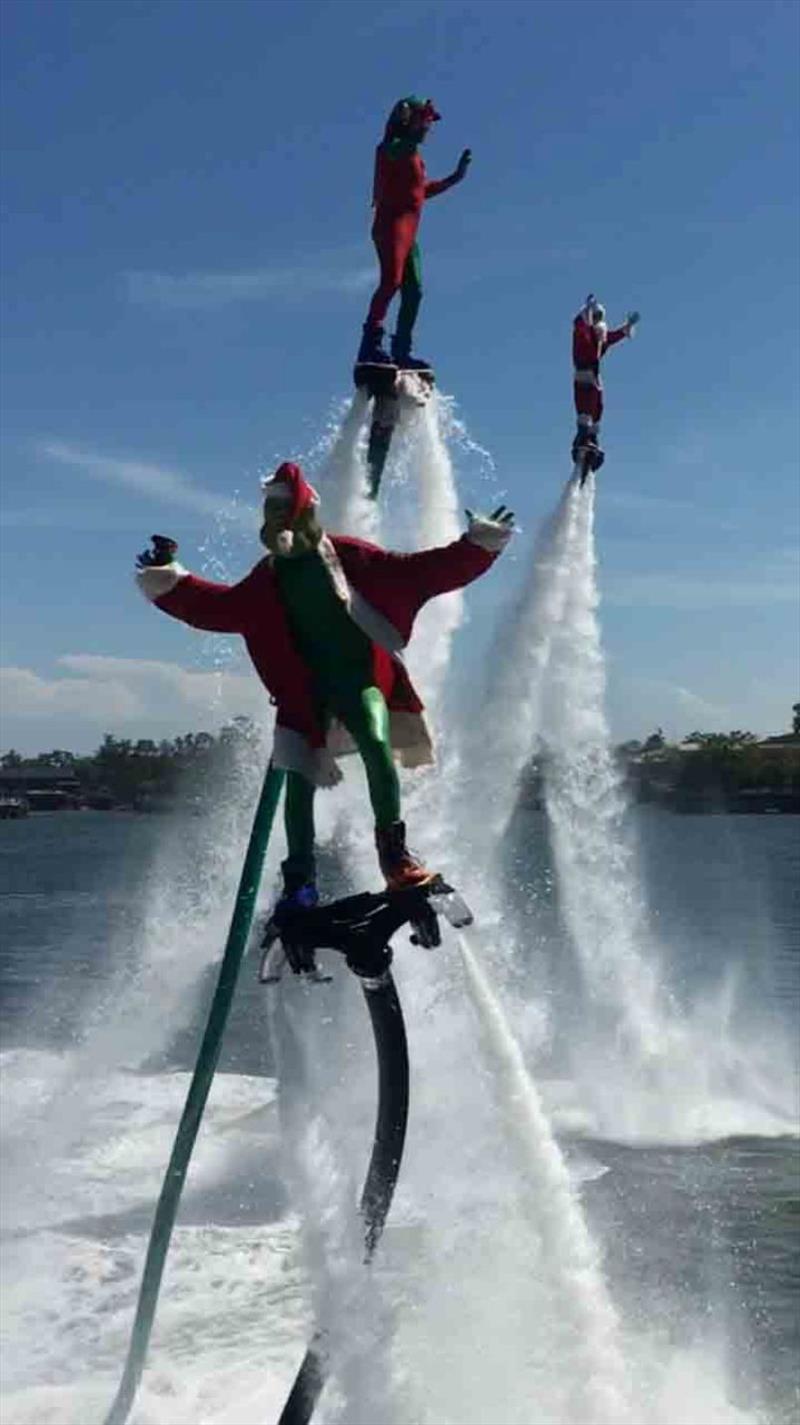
point(334, 647)
point(400, 147)
point(340, 658)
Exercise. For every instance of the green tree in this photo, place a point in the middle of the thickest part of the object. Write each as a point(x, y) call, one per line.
point(656, 741)
point(57, 758)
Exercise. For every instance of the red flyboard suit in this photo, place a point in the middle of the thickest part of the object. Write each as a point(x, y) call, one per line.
point(400, 188)
point(383, 592)
point(589, 344)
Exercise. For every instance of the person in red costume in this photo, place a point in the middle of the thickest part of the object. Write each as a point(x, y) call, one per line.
point(400, 188)
point(324, 619)
point(591, 339)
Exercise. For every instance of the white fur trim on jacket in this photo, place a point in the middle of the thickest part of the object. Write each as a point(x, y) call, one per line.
point(293, 753)
point(488, 534)
point(159, 579)
point(374, 625)
point(409, 735)
point(584, 376)
point(411, 738)
point(369, 620)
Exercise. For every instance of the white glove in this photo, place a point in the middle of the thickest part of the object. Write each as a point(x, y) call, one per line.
point(491, 532)
point(631, 322)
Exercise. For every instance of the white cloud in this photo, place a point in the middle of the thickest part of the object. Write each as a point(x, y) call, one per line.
point(718, 713)
point(132, 697)
point(209, 291)
point(145, 479)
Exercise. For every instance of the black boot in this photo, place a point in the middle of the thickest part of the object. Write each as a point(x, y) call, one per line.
point(299, 884)
point(299, 893)
point(585, 438)
point(401, 355)
point(586, 445)
point(371, 351)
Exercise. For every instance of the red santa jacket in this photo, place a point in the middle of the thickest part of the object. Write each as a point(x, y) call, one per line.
point(401, 184)
point(589, 344)
point(383, 592)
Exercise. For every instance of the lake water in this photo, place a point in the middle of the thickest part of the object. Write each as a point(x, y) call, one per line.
point(111, 925)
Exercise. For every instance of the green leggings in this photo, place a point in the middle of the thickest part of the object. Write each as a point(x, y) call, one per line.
point(365, 715)
point(410, 297)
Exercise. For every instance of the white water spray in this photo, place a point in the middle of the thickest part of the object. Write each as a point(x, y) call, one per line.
point(673, 1070)
point(553, 1211)
point(439, 522)
point(343, 475)
point(598, 886)
point(598, 1393)
point(351, 1319)
point(420, 500)
point(510, 720)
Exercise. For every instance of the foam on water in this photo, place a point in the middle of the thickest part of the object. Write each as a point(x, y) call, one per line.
point(154, 987)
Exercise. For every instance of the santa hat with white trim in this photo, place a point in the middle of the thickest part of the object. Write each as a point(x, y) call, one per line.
point(289, 485)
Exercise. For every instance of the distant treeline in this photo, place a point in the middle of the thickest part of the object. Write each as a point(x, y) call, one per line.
point(706, 769)
point(734, 770)
point(129, 771)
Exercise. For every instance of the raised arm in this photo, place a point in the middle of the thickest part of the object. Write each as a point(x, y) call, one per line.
point(217, 608)
point(440, 185)
point(612, 337)
point(619, 333)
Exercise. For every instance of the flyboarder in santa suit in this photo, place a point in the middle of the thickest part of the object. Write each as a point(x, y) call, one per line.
point(324, 619)
point(591, 339)
point(401, 187)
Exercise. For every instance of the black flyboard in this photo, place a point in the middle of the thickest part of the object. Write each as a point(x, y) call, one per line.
point(588, 460)
point(360, 927)
point(390, 387)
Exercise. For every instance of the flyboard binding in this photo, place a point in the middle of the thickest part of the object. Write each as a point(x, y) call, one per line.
point(360, 927)
point(587, 457)
point(392, 388)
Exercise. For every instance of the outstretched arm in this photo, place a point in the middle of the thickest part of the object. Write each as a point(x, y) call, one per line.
point(440, 185)
point(451, 566)
point(612, 337)
point(217, 608)
point(619, 333)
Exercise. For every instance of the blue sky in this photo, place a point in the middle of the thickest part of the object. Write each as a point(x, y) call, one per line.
point(186, 263)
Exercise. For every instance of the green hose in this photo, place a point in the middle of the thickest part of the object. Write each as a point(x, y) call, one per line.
point(207, 1059)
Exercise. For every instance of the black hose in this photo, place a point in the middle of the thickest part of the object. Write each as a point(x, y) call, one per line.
point(391, 1047)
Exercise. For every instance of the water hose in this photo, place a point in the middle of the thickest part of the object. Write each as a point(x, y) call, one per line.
point(175, 1176)
point(391, 1047)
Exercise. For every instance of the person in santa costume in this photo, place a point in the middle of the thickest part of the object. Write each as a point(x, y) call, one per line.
point(591, 339)
point(325, 619)
point(400, 188)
